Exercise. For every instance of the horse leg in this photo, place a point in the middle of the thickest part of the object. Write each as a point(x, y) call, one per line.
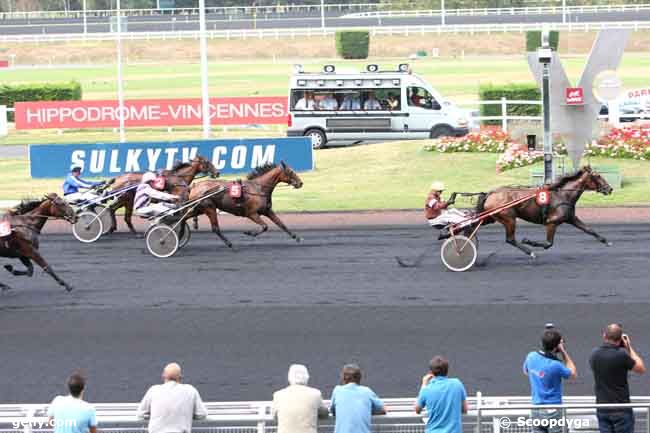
point(113, 209)
point(550, 237)
point(40, 261)
point(273, 217)
point(577, 222)
point(214, 223)
point(128, 213)
point(256, 218)
point(29, 271)
point(510, 224)
point(195, 221)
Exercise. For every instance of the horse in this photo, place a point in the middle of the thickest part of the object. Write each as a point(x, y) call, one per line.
point(177, 182)
point(564, 194)
point(254, 203)
point(27, 221)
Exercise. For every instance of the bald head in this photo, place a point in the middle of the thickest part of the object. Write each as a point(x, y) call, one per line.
point(613, 333)
point(172, 372)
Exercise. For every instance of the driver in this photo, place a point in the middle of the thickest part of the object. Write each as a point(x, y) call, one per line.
point(146, 191)
point(72, 184)
point(437, 211)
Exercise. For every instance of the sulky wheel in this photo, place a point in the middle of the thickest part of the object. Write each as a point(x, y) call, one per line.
point(162, 241)
point(458, 253)
point(88, 228)
point(106, 217)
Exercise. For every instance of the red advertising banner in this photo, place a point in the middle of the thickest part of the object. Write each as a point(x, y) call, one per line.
point(4, 63)
point(150, 112)
point(574, 96)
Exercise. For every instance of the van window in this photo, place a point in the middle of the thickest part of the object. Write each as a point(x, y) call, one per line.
point(346, 100)
point(420, 97)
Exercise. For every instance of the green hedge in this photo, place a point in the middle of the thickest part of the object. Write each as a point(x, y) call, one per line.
point(9, 94)
point(522, 92)
point(352, 44)
point(534, 40)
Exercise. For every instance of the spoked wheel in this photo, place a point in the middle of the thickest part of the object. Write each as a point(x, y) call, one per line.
point(184, 234)
point(458, 253)
point(88, 227)
point(105, 215)
point(162, 241)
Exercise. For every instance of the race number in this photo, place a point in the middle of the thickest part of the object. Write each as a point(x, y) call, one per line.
point(543, 197)
point(5, 228)
point(235, 190)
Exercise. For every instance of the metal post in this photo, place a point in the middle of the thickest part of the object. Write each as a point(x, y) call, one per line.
point(85, 21)
point(4, 129)
point(120, 84)
point(442, 12)
point(478, 411)
point(205, 98)
point(504, 114)
point(546, 103)
point(322, 14)
point(563, 11)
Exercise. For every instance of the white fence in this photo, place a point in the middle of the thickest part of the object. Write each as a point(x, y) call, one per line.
point(486, 415)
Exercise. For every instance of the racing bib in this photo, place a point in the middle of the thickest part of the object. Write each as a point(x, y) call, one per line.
point(234, 190)
point(5, 228)
point(543, 197)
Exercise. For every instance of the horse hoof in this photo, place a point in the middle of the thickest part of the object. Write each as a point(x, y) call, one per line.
point(299, 239)
point(609, 244)
point(533, 256)
point(9, 268)
point(68, 288)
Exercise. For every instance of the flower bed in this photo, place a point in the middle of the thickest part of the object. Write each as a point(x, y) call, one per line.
point(633, 143)
point(490, 141)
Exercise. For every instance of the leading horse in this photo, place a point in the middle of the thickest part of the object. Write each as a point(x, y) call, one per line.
point(564, 194)
point(27, 221)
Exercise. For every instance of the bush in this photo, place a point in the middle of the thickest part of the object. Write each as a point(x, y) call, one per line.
point(352, 44)
point(525, 92)
point(9, 94)
point(534, 40)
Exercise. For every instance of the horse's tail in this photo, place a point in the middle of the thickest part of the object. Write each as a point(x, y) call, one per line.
point(110, 181)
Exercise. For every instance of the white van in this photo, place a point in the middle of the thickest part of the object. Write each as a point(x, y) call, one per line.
point(372, 105)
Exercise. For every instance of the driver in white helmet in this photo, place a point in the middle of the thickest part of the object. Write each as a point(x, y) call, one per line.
point(437, 211)
point(146, 191)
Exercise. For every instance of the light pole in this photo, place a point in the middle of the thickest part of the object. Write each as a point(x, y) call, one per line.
point(545, 55)
point(442, 12)
point(563, 11)
point(85, 21)
point(120, 84)
point(322, 14)
point(205, 98)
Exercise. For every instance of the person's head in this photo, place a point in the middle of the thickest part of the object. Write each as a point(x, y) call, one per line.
point(172, 373)
point(438, 187)
point(371, 95)
point(76, 171)
point(439, 366)
point(392, 96)
point(309, 95)
point(351, 373)
point(551, 338)
point(148, 177)
point(76, 384)
point(613, 333)
point(298, 375)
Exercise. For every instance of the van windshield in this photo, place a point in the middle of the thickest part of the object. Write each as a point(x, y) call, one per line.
point(346, 100)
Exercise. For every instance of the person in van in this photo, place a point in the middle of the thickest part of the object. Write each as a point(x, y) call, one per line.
point(350, 102)
point(371, 103)
point(328, 103)
point(392, 101)
point(306, 102)
point(415, 98)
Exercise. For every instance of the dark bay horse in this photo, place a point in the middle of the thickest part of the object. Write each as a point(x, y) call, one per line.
point(178, 180)
point(27, 221)
point(255, 202)
point(564, 195)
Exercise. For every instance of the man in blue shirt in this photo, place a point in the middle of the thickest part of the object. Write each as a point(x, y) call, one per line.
point(352, 404)
point(545, 373)
point(443, 398)
point(72, 184)
point(70, 414)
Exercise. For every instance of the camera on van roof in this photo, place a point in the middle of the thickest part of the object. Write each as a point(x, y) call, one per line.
point(403, 67)
point(329, 69)
point(298, 69)
point(372, 68)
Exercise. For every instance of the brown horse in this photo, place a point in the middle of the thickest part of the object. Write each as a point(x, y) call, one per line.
point(255, 201)
point(27, 221)
point(178, 180)
point(564, 195)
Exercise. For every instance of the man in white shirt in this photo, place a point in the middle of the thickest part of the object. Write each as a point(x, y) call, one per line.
point(298, 406)
point(371, 103)
point(70, 414)
point(351, 102)
point(328, 103)
point(306, 102)
point(171, 407)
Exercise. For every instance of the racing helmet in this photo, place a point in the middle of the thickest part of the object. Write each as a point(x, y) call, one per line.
point(438, 186)
point(148, 177)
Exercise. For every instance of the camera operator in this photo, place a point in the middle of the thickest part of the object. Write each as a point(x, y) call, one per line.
point(545, 371)
point(610, 364)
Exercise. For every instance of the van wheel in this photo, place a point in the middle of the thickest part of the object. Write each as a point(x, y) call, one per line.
point(318, 138)
point(442, 131)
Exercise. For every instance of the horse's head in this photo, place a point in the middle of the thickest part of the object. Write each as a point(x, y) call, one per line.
point(287, 175)
point(204, 165)
point(595, 182)
point(56, 207)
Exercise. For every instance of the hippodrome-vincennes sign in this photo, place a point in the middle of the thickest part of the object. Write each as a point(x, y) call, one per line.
point(110, 159)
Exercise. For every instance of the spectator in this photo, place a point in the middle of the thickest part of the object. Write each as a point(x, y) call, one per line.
point(610, 364)
point(172, 406)
point(351, 102)
point(545, 373)
point(306, 102)
point(298, 406)
point(444, 399)
point(371, 103)
point(393, 102)
point(70, 413)
point(353, 404)
point(415, 98)
point(328, 103)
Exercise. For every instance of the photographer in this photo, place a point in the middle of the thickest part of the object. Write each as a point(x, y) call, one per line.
point(610, 364)
point(545, 373)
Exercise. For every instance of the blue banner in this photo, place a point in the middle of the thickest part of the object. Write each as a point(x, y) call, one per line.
point(111, 159)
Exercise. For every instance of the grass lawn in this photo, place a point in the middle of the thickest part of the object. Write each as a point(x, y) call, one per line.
point(381, 176)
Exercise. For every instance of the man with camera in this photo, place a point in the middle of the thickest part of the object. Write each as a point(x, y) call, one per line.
point(546, 369)
point(610, 364)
